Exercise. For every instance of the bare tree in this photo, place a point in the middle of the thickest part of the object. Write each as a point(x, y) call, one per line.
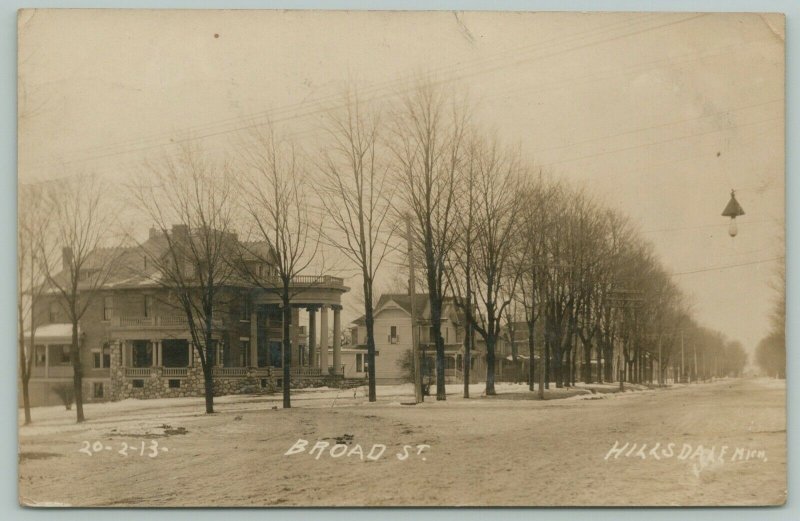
point(494, 276)
point(461, 261)
point(189, 201)
point(275, 201)
point(530, 261)
point(32, 249)
point(356, 195)
point(427, 144)
point(82, 223)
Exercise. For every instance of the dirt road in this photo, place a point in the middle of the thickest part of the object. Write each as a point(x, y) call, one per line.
point(485, 451)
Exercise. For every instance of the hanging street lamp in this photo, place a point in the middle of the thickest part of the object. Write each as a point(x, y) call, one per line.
point(733, 210)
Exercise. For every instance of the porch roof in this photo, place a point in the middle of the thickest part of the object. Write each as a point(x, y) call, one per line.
point(53, 332)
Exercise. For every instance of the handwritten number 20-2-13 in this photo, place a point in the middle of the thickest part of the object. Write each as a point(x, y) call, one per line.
point(91, 448)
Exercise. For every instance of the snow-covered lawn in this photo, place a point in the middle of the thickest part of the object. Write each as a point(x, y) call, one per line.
point(503, 450)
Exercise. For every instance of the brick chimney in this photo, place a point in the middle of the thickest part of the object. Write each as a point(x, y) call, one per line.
point(180, 231)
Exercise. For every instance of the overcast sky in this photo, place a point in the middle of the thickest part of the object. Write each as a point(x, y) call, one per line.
point(658, 115)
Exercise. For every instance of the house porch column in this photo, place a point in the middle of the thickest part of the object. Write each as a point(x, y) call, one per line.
point(295, 332)
point(312, 334)
point(254, 338)
point(323, 340)
point(337, 340)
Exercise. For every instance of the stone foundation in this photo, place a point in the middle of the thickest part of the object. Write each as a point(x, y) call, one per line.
point(155, 384)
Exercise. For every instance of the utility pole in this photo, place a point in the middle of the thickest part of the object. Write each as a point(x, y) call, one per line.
point(694, 348)
point(682, 370)
point(418, 396)
point(660, 383)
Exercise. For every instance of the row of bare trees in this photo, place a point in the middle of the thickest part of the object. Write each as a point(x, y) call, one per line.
point(501, 238)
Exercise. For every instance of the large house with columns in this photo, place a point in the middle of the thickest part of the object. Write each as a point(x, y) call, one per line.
point(135, 341)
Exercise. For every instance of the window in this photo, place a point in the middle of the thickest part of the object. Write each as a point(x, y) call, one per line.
point(142, 353)
point(40, 356)
point(108, 307)
point(138, 384)
point(264, 383)
point(97, 389)
point(106, 355)
point(97, 359)
point(174, 384)
point(244, 311)
point(359, 363)
point(53, 312)
point(148, 306)
point(393, 335)
point(61, 355)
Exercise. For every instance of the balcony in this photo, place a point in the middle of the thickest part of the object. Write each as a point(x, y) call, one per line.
point(160, 321)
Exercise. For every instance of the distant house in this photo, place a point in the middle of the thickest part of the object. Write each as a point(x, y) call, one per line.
point(393, 339)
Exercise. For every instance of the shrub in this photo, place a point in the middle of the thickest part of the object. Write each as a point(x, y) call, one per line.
point(66, 393)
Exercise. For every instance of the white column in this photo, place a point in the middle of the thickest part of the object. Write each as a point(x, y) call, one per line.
point(323, 340)
point(254, 339)
point(337, 340)
point(295, 332)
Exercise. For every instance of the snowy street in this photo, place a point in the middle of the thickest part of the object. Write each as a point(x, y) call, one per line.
point(336, 449)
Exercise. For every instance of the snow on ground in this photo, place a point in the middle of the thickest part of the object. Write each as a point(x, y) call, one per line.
point(482, 451)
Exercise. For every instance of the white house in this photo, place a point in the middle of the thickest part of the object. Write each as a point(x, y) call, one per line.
point(393, 337)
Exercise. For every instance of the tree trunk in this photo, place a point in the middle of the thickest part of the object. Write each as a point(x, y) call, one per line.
point(370, 323)
point(208, 381)
point(490, 345)
point(587, 362)
point(24, 369)
point(286, 359)
point(77, 372)
point(210, 360)
point(600, 367)
point(436, 316)
point(469, 333)
point(531, 353)
point(546, 366)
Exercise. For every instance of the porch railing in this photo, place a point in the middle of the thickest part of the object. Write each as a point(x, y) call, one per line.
point(138, 371)
point(175, 371)
point(230, 372)
point(166, 321)
point(305, 371)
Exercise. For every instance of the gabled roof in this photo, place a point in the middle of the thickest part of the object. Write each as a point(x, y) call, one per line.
point(403, 301)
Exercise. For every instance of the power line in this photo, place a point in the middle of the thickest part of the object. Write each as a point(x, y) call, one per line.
point(459, 64)
point(728, 266)
point(325, 109)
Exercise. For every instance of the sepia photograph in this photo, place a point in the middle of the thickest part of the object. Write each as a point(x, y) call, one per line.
point(308, 258)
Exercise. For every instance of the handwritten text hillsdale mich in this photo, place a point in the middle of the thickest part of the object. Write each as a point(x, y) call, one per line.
point(711, 454)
